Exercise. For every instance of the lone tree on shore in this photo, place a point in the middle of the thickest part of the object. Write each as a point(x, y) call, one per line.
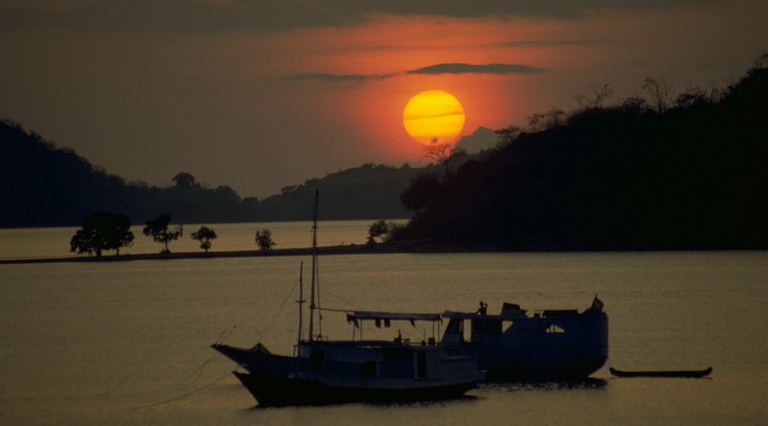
point(264, 240)
point(379, 229)
point(204, 235)
point(102, 231)
point(158, 230)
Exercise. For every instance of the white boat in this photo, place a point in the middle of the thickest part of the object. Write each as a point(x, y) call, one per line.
point(323, 371)
point(333, 371)
point(550, 344)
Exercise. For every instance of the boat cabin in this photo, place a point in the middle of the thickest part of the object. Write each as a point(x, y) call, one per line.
point(511, 321)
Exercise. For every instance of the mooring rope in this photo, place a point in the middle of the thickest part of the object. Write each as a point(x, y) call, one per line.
point(214, 357)
point(184, 395)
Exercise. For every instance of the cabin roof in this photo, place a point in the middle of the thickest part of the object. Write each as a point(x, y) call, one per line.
point(397, 316)
point(508, 315)
point(468, 315)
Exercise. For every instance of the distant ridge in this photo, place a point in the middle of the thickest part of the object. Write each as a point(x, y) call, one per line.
point(44, 185)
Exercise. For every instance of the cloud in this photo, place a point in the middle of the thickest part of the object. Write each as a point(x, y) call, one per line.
point(453, 68)
point(168, 16)
point(458, 68)
point(272, 15)
point(357, 78)
point(553, 43)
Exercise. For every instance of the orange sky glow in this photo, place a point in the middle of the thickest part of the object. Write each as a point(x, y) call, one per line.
point(252, 96)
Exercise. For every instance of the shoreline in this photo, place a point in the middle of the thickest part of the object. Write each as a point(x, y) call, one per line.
point(380, 248)
point(327, 250)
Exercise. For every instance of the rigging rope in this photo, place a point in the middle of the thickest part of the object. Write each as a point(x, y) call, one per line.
point(279, 310)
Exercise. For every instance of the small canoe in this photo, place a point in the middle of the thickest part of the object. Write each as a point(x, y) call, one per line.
point(678, 373)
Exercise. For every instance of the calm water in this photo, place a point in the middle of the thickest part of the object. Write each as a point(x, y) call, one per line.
point(127, 342)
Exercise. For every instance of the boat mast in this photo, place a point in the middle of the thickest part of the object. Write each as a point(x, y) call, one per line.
point(314, 267)
point(301, 299)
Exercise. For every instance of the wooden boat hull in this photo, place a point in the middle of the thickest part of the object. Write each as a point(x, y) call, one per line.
point(271, 391)
point(672, 373)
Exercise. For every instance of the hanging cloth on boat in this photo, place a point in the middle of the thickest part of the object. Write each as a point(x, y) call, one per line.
point(353, 320)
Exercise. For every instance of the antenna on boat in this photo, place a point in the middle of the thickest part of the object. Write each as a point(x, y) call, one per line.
point(314, 265)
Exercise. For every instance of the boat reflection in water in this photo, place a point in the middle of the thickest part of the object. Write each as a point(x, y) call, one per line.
point(661, 373)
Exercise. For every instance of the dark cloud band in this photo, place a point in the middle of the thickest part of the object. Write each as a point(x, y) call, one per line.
point(458, 68)
point(452, 68)
point(271, 15)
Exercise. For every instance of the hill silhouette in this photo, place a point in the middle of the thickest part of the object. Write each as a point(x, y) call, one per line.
point(366, 192)
point(623, 177)
point(626, 177)
point(44, 185)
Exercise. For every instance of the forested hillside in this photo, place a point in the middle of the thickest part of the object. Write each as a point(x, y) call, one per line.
point(367, 192)
point(691, 175)
point(43, 185)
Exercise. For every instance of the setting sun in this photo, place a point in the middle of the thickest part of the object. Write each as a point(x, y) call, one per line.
point(433, 117)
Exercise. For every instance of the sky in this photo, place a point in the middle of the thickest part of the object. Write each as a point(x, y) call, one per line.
point(263, 94)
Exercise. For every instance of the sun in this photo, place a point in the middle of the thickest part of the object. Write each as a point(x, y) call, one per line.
point(433, 117)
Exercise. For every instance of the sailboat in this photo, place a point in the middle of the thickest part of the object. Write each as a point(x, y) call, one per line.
point(323, 371)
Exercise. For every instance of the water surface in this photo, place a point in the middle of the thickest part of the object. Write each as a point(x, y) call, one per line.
point(127, 342)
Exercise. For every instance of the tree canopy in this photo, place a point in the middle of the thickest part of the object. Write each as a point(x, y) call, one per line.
point(158, 230)
point(264, 239)
point(204, 235)
point(102, 231)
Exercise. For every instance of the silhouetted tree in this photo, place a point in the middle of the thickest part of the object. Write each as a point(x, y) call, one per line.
point(535, 122)
point(633, 104)
point(660, 89)
point(421, 193)
point(184, 180)
point(102, 231)
point(378, 229)
point(443, 154)
point(696, 96)
point(204, 235)
point(158, 230)
point(601, 94)
point(264, 240)
point(508, 135)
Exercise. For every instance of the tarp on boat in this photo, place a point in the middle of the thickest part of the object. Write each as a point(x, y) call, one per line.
point(390, 316)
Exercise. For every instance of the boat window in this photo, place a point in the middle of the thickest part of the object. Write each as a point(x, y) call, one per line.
point(555, 329)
